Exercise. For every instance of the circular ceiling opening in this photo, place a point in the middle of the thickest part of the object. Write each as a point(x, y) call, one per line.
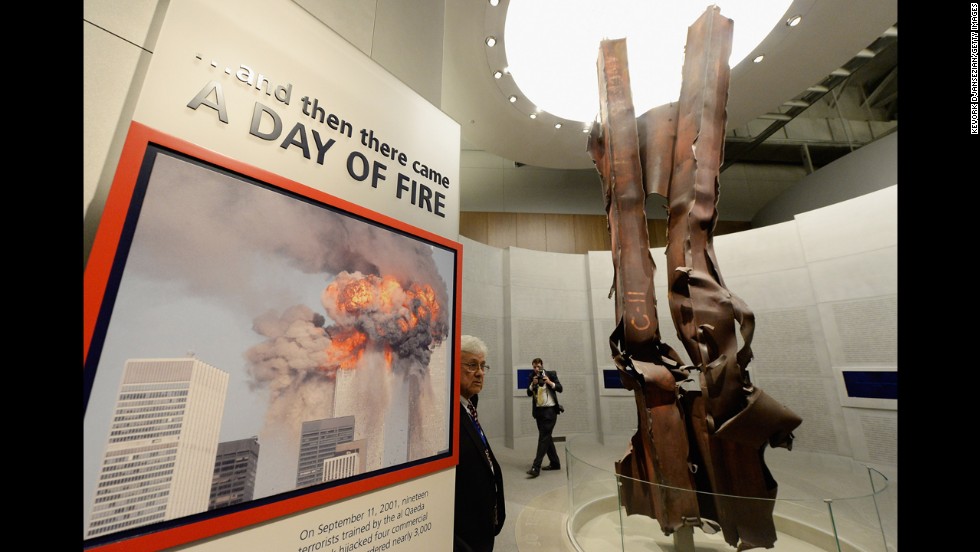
point(552, 46)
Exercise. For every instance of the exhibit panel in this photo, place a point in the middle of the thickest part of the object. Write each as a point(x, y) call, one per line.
point(336, 121)
point(780, 269)
point(317, 528)
point(270, 212)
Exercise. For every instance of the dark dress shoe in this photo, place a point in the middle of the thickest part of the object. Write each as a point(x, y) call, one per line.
point(533, 473)
point(552, 467)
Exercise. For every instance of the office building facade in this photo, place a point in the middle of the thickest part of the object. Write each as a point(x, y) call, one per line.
point(318, 442)
point(234, 472)
point(159, 459)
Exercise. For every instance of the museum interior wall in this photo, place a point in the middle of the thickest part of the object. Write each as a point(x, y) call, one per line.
point(819, 269)
point(840, 180)
point(561, 233)
point(823, 288)
point(536, 285)
point(823, 283)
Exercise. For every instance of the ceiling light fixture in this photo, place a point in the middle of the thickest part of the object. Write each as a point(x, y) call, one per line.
point(794, 21)
point(552, 46)
point(498, 74)
point(491, 41)
point(512, 99)
point(533, 115)
point(557, 125)
point(494, 2)
point(758, 58)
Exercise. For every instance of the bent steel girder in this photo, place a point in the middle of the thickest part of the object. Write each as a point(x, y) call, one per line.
point(646, 365)
point(709, 435)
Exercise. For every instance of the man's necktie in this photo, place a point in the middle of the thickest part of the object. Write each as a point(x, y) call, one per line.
point(476, 421)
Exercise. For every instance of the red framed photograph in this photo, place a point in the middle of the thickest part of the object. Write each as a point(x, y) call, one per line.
point(254, 347)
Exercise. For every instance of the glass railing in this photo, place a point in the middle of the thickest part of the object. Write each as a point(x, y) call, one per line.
point(823, 503)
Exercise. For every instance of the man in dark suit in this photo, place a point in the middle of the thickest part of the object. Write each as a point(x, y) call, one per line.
point(543, 390)
point(479, 510)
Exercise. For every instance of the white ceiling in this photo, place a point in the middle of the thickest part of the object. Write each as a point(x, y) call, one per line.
point(511, 163)
point(832, 32)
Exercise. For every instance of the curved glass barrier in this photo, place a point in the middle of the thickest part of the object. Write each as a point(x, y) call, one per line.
point(823, 503)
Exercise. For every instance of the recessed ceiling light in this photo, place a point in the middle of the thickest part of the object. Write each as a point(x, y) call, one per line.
point(512, 99)
point(563, 80)
point(498, 74)
point(494, 2)
point(586, 129)
point(758, 58)
point(557, 125)
point(533, 115)
point(794, 21)
point(491, 41)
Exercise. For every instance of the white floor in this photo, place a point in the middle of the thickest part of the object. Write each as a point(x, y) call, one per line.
point(810, 487)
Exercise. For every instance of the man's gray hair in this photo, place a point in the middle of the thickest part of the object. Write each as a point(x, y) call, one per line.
point(473, 345)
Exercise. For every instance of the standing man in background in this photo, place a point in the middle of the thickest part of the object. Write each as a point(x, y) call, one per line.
point(479, 510)
point(543, 390)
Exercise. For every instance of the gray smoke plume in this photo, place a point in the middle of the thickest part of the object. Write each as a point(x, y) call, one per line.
point(208, 231)
point(224, 239)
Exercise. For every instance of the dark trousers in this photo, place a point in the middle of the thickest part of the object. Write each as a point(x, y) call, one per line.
point(546, 419)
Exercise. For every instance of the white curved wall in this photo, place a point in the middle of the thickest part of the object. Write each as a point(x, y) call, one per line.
point(823, 288)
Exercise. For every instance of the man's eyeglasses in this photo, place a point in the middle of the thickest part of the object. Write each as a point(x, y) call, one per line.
point(472, 366)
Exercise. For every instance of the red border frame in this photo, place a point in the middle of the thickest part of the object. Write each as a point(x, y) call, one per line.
point(96, 276)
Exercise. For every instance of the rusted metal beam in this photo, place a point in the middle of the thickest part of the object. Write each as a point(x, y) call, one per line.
point(705, 425)
point(646, 365)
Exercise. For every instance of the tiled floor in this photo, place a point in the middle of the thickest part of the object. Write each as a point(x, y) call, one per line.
point(536, 508)
point(811, 486)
